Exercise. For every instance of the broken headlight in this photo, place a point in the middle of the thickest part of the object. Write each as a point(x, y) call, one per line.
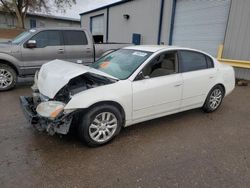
point(50, 109)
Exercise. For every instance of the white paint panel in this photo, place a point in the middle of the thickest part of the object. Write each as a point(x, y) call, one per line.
point(200, 24)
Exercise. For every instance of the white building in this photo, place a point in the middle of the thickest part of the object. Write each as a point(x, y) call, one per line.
point(201, 24)
point(8, 21)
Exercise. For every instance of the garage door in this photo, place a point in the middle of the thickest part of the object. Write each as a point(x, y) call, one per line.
point(200, 24)
point(97, 25)
point(97, 28)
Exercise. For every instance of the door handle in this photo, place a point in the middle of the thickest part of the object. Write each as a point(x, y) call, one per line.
point(211, 77)
point(61, 51)
point(177, 85)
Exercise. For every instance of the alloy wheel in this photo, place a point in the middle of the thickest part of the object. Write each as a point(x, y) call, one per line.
point(215, 99)
point(103, 127)
point(6, 78)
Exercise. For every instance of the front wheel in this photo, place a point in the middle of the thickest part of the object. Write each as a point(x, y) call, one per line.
point(100, 125)
point(8, 77)
point(214, 99)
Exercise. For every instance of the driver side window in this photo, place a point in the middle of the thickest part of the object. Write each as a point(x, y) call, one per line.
point(47, 38)
point(162, 65)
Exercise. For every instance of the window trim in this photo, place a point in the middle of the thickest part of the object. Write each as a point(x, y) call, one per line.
point(60, 34)
point(64, 38)
point(177, 65)
point(205, 56)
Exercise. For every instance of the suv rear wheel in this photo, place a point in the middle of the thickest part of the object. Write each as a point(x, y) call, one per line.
point(8, 77)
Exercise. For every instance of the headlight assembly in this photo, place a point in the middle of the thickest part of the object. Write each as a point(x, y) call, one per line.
point(50, 109)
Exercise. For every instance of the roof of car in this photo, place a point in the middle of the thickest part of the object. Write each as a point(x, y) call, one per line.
point(56, 28)
point(155, 48)
point(151, 48)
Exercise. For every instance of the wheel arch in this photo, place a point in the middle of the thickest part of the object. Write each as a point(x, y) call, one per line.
point(5, 62)
point(223, 87)
point(113, 103)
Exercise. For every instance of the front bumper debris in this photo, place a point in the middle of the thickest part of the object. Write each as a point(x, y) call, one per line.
point(60, 125)
point(29, 113)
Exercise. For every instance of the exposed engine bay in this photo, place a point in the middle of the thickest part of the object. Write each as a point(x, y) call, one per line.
point(81, 83)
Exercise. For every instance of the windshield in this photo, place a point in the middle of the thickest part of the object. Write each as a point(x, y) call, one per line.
point(21, 37)
point(122, 63)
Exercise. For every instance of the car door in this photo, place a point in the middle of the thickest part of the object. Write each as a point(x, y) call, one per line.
point(77, 47)
point(157, 89)
point(49, 46)
point(198, 75)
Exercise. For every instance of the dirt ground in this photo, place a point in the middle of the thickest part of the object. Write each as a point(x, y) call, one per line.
point(190, 149)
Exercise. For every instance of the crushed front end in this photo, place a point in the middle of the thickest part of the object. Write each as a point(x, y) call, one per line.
point(46, 114)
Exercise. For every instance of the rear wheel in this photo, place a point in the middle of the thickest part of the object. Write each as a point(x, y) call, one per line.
point(100, 125)
point(214, 99)
point(8, 77)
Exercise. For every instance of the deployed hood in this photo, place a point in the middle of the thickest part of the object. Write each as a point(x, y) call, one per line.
point(54, 75)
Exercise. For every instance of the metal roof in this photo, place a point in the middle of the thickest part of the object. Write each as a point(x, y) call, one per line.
point(53, 17)
point(106, 6)
point(47, 16)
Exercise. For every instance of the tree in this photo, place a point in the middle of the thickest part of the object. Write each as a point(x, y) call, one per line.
point(19, 8)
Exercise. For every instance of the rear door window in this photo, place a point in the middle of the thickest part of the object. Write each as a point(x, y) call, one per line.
point(75, 38)
point(192, 61)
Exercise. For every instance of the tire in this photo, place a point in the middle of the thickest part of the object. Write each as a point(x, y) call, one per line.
point(214, 99)
point(100, 125)
point(8, 77)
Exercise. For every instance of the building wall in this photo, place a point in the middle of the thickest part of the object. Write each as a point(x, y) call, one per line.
point(85, 20)
point(46, 22)
point(144, 20)
point(8, 21)
point(166, 22)
point(237, 41)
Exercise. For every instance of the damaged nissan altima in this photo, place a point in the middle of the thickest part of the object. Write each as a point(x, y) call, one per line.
point(125, 87)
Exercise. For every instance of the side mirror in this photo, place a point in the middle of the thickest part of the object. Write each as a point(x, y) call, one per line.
point(79, 61)
point(141, 76)
point(31, 44)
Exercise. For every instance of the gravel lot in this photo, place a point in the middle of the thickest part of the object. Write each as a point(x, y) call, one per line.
point(190, 149)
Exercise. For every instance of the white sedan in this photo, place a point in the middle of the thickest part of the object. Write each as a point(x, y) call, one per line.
point(125, 87)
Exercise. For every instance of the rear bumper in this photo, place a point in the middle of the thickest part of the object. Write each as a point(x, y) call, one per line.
point(27, 107)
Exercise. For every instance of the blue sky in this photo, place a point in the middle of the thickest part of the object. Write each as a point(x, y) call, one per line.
point(84, 5)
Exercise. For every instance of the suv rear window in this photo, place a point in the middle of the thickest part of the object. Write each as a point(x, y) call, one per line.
point(75, 38)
